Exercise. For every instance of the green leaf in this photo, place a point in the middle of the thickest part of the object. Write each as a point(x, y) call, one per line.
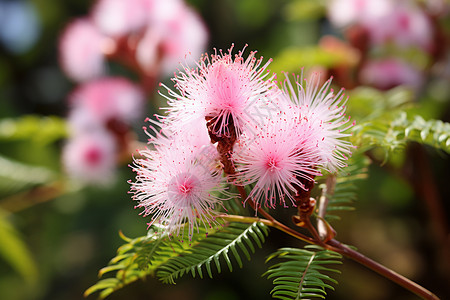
point(394, 132)
point(36, 128)
point(345, 189)
point(300, 10)
point(15, 252)
point(138, 258)
point(15, 175)
point(303, 273)
point(291, 59)
point(170, 259)
point(222, 244)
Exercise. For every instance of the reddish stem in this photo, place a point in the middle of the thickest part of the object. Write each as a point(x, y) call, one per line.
point(382, 270)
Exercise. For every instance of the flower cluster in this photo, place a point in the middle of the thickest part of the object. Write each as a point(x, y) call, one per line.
point(150, 37)
point(229, 123)
point(101, 112)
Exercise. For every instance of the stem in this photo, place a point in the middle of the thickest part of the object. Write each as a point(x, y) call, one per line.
point(382, 270)
point(272, 223)
point(37, 195)
point(322, 227)
point(340, 248)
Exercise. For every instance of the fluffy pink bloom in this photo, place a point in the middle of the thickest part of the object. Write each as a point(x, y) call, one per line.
point(223, 88)
point(324, 111)
point(174, 184)
point(105, 99)
point(91, 157)
point(277, 158)
point(80, 49)
point(119, 17)
point(391, 72)
point(167, 42)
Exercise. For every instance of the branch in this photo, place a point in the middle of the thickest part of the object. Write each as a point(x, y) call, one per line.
point(382, 270)
point(338, 247)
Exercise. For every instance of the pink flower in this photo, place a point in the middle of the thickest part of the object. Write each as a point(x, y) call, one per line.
point(277, 159)
point(106, 99)
point(223, 89)
point(167, 42)
point(391, 72)
point(175, 184)
point(324, 111)
point(80, 49)
point(406, 25)
point(402, 23)
point(91, 157)
point(343, 13)
point(118, 17)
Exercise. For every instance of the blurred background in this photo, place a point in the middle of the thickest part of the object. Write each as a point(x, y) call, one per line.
point(78, 78)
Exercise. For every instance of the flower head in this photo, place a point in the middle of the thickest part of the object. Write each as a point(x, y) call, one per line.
point(278, 159)
point(118, 17)
point(224, 89)
point(176, 183)
point(108, 98)
point(91, 157)
point(324, 111)
point(80, 49)
point(167, 41)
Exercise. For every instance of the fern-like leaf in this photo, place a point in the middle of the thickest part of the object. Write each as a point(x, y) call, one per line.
point(304, 274)
point(343, 195)
point(221, 245)
point(393, 134)
point(140, 257)
point(169, 258)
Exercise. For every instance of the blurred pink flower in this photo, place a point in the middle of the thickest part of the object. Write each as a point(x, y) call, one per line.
point(91, 157)
point(391, 72)
point(119, 17)
point(402, 23)
point(105, 99)
point(343, 13)
point(80, 49)
point(406, 25)
point(169, 41)
point(174, 184)
point(223, 89)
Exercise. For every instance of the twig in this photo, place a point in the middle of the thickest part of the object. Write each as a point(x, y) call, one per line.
point(328, 190)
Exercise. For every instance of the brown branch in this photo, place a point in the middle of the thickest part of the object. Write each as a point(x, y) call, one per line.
point(382, 270)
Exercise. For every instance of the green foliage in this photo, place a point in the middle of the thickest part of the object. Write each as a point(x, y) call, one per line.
point(34, 128)
point(300, 10)
point(345, 189)
point(392, 134)
point(304, 273)
point(231, 238)
point(367, 104)
point(382, 121)
point(15, 176)
point(170, 259)
point(292, 59)
point(15, 252)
